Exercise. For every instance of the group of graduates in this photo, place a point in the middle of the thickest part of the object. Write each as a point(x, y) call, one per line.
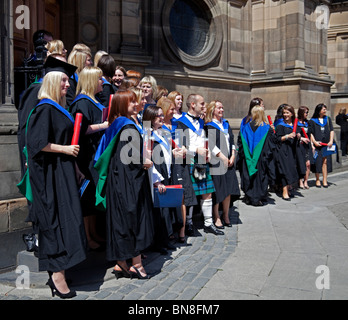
point(135, 140)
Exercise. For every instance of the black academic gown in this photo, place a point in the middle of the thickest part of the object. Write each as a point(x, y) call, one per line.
point(226, 184)
point(256, 186)
point(104, 96)
point(321, 134)
point(129, 204)
point(88, 147)
point(286, 156)
point(56, 203)
point(71, 94)
point(28, 102)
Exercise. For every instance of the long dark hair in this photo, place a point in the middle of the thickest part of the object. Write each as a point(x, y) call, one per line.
point(317, 110)
point(279, 114)
point(301, 113)
point(254, 102)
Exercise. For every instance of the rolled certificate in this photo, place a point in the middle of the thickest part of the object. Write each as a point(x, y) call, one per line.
point(270, 121)
point(77, 129)
point(295, 125)
point(305, 133)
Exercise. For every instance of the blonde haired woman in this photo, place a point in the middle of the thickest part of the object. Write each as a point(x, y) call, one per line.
point(98, 55)
point(56, 47)
point(80, 57)
point(92, 129)
point(56, 209)
point(221, 142)
point(256, 145)
point(149, 86)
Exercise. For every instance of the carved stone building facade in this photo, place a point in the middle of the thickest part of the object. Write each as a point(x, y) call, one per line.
point(284, 51)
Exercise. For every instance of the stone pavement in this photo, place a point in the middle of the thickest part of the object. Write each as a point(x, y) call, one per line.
point(284, 250)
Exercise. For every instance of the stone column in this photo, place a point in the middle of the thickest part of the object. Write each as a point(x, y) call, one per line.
point(130, 27)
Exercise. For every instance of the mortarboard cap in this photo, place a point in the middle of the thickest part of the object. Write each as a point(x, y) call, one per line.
point(53, 64)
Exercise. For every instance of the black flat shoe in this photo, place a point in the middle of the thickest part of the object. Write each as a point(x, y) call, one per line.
point(219, 227)
point(213, 230)
point(55, 291)
point(137, 274)
point(286, 199)
point(120, 273)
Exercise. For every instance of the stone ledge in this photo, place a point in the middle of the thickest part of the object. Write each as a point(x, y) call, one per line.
point(13, 214)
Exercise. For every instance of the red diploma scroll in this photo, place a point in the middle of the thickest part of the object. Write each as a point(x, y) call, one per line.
point(77, 129)
point(110, 100)
point(174, 146)
point(270, 121)
point(323, 144)
point(179, 186)
point(295, 125)
point(305, 133)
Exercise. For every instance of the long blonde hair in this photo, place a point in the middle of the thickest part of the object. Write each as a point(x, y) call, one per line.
point(56, 47)
point(51, 88)
point(210, 111)
point(258, 115)
point(78, 58)
point(88, 81)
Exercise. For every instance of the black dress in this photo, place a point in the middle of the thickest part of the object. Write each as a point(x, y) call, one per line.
point(286, 155)
point(321, 132)
point(255, 186)
point(128, 200)
point(225, 182)
point(56, 204)
point(92, 114)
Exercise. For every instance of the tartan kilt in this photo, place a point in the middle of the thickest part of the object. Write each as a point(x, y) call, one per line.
point(204, 186)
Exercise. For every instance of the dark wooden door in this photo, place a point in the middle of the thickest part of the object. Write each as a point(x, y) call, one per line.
point(44, 14)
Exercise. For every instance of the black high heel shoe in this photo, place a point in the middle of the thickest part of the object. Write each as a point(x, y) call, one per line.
point(121, 273)
point(55, 291)
point(137, 274)
point(228, 225)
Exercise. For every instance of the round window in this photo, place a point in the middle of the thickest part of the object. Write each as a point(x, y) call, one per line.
point(189, 26)
point(193, 30)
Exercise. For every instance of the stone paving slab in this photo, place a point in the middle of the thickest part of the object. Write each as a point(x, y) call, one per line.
point(271, 253)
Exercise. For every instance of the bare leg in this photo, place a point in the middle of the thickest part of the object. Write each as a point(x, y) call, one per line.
point(216, 216)
point(317, 180)
point(286, 192)
point(60, 283)
point(308, 170)
point(136, 262)
point(226, 209)
point(183, 212)
point(324, 169)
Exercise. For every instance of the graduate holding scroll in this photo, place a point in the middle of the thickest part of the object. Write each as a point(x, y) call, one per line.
point(223, 166)
point(92, 129)
point(286, 151)
point(123, 189)
point(321, 129)
point(255, 162)
point(51, 159)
